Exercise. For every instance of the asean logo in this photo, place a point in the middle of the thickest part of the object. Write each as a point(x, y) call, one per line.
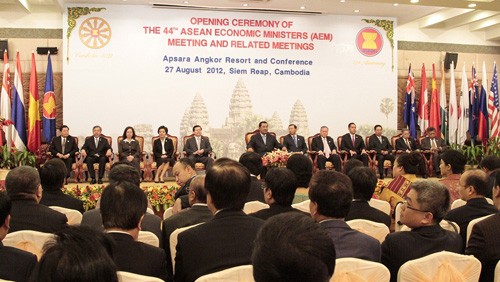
point(95, 32)
point(369, 41)
point(49, 105)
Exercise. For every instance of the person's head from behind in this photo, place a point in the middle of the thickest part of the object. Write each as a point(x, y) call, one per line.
point(490, 163)
point(123, 206)
point(227, 183)
point(281, 184)
point(5, 207)
point(292, 247)
point(426, 204)
point(197, 191)
point(52, 174)
point(302, 167)
point(124, 171)
point(252, 161)
point(331, 195)
point(473, 184)
point(23, 182)
point(363, 181)
point(496, 187)
point(452, 162)
point(77, 253)
point(183, 170)
point(408, 163)
point(352, 163)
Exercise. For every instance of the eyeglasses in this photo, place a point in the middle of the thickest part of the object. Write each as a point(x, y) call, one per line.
point(405, 202)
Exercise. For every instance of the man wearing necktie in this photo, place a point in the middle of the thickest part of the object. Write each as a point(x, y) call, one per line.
point(293, 142)
point(263, 142)
point(198, 148)
point(433, 146)
point(96, 149)
point(324, 146)
point(405, 143)
point(380, 145)
point(354, 145)
point(64, 147)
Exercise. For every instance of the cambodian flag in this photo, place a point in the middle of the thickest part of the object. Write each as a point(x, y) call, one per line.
point(49, 105)
point(18, 112)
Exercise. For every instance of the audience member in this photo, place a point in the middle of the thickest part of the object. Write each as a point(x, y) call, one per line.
point(226, 240)
point(325, 147)
point(302, 167)
point(331, 197)
point(96, 149)
point(64, 147)
point(452, 165)
point(433, 145)
point(184, 172)
point(294, 143)
point(253, 162)
point(15, 265)
point(364, 181)
point(263, 142)
point(425, 206)
point(489, 164)
point(352, 164)
point(290, 247)
point(52, 178)
point(354, 145)
point(382, 147)
point(163, 153)
point(24, 189)
point(198, 148)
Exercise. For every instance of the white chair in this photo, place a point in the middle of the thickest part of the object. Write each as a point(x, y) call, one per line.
point(471, 224)
point(148, 238)
point(497, 272)
point(397, 218)
point(458, 203)
point(445, 224)
point(242, 273)
point(74, 217)
point(167, 213)
point(303, 206)
point(376, 230)
point(358, 270)
point(380, 205)
point(28, 240)
point(443, 267)
point(254, 206)
point(490, 201)
point(150, 211)
point(124, 276)
point(173, 242)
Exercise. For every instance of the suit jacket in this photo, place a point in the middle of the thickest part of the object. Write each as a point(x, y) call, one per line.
point(257, 144)
point(29, 215)
point(363, 210)
point(290, 144)
point(351, 243)
point(485, 246)
point(347, 145)
point(275, 209)
point(401, 145)
point(69, 148)
point(256, 193)
point(131, 148)
point(400, 247)
point(138, 257)
point(58, 198)
point(16, 265)
point(91, 149)
point(191, 146)
point(157, 148)
point(375, 144)
point(223, 242)
point(317, 144)
point(426, 143)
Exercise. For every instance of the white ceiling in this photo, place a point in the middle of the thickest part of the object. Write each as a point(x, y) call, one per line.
point(444, 14)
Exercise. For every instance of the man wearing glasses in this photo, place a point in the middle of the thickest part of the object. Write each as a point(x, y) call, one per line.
point(425, 206)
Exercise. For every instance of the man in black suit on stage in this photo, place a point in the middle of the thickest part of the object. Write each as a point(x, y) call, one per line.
point(405, 143)
point(96, 149)
point(64, 147)
point(354, 145)
point(381, 145)
point(435, 145)
point(293, 142)
point(326, 149)
point(263, 142)
point(198, 148)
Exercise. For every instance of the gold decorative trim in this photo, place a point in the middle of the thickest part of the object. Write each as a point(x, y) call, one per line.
point(388, 26)
point(73, 14)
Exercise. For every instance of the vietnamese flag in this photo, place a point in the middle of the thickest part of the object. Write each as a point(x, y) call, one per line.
point(34, 133)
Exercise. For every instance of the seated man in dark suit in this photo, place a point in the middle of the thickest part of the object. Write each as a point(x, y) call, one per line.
point(279, 192)
point(405, 143)
point(472, 187)
point(489, 164)
point(263, 142)
point(435, 145)
point(64, 147)
point(184, 172)
point(227, 239)
point(293, 142)
point(326, 149)
point(16, 265)
point(291, 247)
point(354, 145)
point(24, 189)
point(331, 197)
point(96, 149)
point(425, 206)
point(198, 148)
point(363, 185)
point(52, 175)
point(123, 207)
point(382, 147)
point(253, 162)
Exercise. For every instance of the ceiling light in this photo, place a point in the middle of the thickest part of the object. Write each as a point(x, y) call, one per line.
point(472, 5)
point(302, 7)
point(342, 1)
point(245, 5)
point(414, 1)
point(395, 4)
point(186, 2)
point(356, 11)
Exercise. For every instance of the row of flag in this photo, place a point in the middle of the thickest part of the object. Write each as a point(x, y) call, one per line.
point(12, 107)
point(477, 111)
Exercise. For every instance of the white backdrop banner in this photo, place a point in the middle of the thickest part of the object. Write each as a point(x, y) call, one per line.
point(143, 66)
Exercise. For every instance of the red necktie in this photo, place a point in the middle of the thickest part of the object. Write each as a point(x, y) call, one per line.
point(353, 141)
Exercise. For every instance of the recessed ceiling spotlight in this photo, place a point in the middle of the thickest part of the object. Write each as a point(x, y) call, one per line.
point(186, 2)
point(395, 4)
point(245, 5)
point(356, 11)
point(342, 1)
point(302, 7)
point(472, 5)
point(414, 1)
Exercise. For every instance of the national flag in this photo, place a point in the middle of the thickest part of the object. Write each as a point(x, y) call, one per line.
point(423, 104)
point(493, 105)
point(34, 132)
point(409, 110)
point(5, 103)
point(483, 127)
point(49, 105)
point(453, 110)
point(463, 112)
point(473, 106)
point(18, 110)
point(435, 113)
point(442, 106)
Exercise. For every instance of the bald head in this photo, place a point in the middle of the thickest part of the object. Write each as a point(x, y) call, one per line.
point(473, 184)
point(197, 192)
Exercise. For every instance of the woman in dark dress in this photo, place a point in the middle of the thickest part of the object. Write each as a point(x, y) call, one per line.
point(129, 149)
point(163, 150)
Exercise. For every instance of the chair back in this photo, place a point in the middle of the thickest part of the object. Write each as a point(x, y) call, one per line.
point(242, 273)
point(249, 135)
point(397, 217)
point(376, 230)
point(303, 206)
point(471, 225)
point(394, 139)
point(380, 205)
point(110, 140)
point(124, 276)
point(282, 139)
point(442, 266)
point(497, 272)
point(138, 138)
point(457, 203)
point(254, 206)
point(168, 213)
point(359, 270)
point(28, 240)
point(445, 224)
point(74, 217)
point(310, 140)
point(173, 242)
point(149, 238)
point(175, 142)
